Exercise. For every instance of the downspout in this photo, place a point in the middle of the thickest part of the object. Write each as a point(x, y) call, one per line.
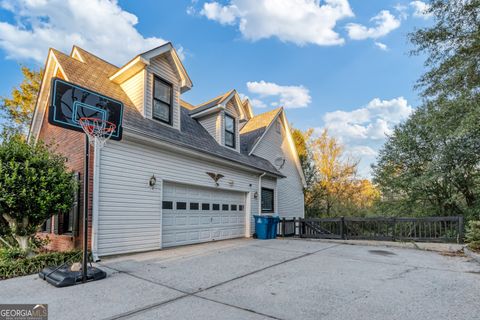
point(95, 192)
point(260, 193)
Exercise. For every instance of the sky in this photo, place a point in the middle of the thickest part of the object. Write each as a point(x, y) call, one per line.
point(341, 65)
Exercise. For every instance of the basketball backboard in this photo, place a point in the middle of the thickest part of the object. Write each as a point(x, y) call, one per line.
point(70, 103)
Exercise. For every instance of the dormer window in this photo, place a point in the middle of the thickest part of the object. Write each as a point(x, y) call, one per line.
point(162, 100)
point(229, 131)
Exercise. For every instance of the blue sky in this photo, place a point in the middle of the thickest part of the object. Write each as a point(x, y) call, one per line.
point(340, 64)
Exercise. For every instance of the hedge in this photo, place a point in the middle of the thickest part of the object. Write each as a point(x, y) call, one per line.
point(31, 265)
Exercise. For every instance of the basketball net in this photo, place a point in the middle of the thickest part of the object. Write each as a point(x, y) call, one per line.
point(97, 130)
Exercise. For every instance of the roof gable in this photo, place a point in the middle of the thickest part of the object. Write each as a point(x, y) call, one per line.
point(255, 128)
point(140, 61)
point(220, 102)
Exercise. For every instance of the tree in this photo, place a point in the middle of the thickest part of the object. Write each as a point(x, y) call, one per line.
point(429, 166)
point(301, 140)
point(453, 48)
point(333, 187)
point(18, 110)
point(34, 184)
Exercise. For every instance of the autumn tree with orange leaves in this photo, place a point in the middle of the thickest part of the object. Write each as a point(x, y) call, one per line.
point(333, 186)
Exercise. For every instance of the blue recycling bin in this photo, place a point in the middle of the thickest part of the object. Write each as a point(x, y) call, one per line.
point(262, 227)
point(272, 230)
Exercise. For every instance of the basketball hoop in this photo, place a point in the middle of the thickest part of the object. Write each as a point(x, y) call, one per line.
point(97, 130)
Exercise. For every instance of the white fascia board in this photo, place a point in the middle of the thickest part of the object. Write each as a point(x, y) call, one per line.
point(293, 149)
point(130, 69)
point(208, 111)
point(39, 112)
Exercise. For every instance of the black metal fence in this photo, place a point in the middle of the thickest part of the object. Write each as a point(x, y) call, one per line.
point(427, 229)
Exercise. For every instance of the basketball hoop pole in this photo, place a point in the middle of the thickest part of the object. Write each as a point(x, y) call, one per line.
point(85, 210)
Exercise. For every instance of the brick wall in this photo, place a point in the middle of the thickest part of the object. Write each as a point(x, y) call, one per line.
point(71, 144)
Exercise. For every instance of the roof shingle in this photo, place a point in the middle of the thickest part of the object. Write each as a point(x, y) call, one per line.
point(94, 74)
point(253, 130)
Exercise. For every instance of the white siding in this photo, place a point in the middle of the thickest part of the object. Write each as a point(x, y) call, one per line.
point(134, 88)
point(290, 189)
point(212, 124)
point(162, 67)
point(130, 217)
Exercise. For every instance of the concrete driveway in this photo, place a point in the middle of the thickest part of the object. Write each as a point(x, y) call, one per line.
point(273, 279)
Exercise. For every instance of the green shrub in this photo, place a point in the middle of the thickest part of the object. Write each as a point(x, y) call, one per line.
point(11, 254)
point(20, 266)
point(472, 236)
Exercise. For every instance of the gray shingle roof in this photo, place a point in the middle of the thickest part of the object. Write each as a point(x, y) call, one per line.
point(94, 74)
point(253, 130)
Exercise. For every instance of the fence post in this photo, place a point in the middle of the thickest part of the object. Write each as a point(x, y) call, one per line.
point(342, 227)
point(394, 227)
point(283, 227)
point(301, 227)
point(295, 227)
point(460, 229)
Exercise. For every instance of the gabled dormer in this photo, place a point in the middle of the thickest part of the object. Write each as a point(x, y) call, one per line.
point(223, 117)
point(154, 81)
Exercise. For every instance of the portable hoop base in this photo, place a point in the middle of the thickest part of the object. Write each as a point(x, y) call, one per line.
point(64, 277)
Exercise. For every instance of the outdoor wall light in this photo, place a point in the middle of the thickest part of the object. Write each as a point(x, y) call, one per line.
point(152, 182)
point(255, 195)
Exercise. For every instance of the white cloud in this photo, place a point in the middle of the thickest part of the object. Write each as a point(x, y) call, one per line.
point(100, 26)
point(222, 14)
point(381, 46)
point(384, 22)
point(363, 151)
point(298, 21)
point(402, 10)
point(256, 103)
point(363, 130)
point(373, 122)
point(288, 96)
point(420, 9)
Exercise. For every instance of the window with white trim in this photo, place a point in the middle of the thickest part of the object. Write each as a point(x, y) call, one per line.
point(229, 131)
point(162, 100)
point(267, 200)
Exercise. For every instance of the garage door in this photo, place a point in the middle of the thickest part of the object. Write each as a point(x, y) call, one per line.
point(196, 214)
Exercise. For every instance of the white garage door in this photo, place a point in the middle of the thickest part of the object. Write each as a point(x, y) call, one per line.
point(197, 214)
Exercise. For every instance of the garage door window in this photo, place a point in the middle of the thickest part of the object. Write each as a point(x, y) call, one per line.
point(267, 200)
point(215, 207)
point(225, 207)
point(240, 207)
point(233, 207)
point(181, 206)
point(205, 206)
point(193, 205)
point(167, 205)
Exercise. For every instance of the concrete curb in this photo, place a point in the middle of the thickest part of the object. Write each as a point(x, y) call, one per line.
point(475, 256)
point(437, 247)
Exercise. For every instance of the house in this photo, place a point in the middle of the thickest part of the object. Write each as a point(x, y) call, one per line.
point(215, 164)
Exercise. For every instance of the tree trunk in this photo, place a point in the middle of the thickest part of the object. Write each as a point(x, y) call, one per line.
point(22, 242)
point(15, 226)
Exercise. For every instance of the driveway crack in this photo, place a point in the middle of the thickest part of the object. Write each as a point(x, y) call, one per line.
point(186, 294)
